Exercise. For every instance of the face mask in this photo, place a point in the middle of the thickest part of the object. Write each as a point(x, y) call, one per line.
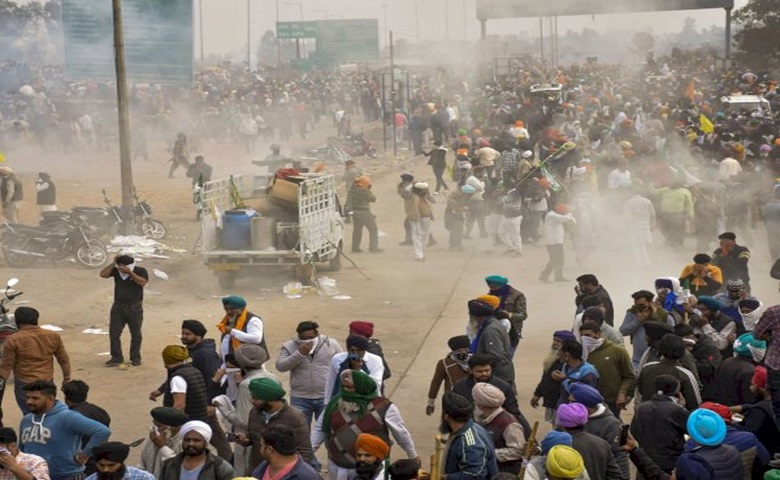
point(354, 356)
point(589, 345)
point(462, 356)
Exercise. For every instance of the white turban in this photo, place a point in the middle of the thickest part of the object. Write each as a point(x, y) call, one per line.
point(197, 426)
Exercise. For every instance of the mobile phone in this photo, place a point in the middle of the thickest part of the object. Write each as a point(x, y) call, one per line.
point(231, 437)
point(623, 435)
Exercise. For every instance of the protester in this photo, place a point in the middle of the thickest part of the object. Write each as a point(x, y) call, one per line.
point(127, 309)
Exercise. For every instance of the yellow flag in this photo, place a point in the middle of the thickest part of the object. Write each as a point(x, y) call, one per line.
point(705, 124)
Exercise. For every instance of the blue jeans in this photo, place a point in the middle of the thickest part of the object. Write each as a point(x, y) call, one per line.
point(311, 408)
point(21, 396)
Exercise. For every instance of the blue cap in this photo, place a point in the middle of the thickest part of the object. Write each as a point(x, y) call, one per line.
point(553, 439)
point(706, 427)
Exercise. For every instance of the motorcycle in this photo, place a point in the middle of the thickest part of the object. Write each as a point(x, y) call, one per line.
point(356, 145)
point(142, 214)
point(7, 321)
point(144, 222)
point(24, 244)
point(105, 220)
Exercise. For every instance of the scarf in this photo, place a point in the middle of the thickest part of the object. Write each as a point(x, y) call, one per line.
point(477, 336)
point(365, 392)
point(125, 276)
point(751, 319)
point(589, 345)
point(464, 364)
point(757, 353)
point(502, 293)
point(240, 324)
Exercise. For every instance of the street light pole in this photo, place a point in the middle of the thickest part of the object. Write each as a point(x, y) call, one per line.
point(200, 20)
point(278, 42)
point(387, 29)
point(447, 19)
point(249, 35)
point(297, 40)
point(125, 163)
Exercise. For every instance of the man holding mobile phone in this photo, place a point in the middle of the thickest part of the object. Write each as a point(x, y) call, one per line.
point(18, 465)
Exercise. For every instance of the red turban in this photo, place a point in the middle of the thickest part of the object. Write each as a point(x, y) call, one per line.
point(722, 410)
point(362, 328)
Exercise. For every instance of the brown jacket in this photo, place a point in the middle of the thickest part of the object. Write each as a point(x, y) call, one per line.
point(418, 207)
point(28, 354)
point(289, 416)
point(447, 371)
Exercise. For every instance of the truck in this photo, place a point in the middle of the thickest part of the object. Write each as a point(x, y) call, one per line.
point(293, 220)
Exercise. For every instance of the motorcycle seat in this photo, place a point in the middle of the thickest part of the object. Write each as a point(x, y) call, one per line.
point(31, 229)
point(87, 209)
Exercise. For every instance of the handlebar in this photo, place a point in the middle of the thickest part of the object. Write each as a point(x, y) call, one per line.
point(13, 295)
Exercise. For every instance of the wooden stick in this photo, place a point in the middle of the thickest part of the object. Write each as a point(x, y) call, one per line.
point(529, 445)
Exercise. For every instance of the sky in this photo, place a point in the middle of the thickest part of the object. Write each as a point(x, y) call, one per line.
point(225, 21)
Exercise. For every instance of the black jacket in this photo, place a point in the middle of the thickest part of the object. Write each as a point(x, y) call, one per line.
point(659, 425)
point(732, 382)
point(206, 359)
point(548, 389)
point(197, 400)
point(760, 421)
point(775, 272)
point(733, 265)
point(708, 360)
point(597, 455)
point(603, 297)
point(606, 426)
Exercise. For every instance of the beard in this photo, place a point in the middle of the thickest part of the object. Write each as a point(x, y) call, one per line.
point(551, 358)
point(113, 475)
point(193, 451)
point(444, 427)
point(366, 471)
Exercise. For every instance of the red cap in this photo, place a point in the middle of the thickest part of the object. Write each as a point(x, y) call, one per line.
point(362, 328)
point(759, 377)
point(722, 410)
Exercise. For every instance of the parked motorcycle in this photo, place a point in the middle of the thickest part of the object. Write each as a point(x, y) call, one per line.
point(24, 244)
point(104, 221)
point(142, 214)
point(356, 145)
point(144, 222)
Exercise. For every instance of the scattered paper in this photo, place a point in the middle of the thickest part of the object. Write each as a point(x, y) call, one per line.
point(95, 331)
point(53, 328)
point(160, 274)
point(104, 354)
point(341, 297)
point(294, 296)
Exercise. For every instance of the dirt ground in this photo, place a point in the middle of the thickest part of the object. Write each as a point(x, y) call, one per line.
point(416, 306)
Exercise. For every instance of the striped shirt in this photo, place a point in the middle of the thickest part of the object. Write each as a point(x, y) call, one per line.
point(769, 324)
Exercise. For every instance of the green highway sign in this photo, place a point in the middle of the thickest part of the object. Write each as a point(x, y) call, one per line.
point(347, 41)
point(287, 30)
point(158, 37)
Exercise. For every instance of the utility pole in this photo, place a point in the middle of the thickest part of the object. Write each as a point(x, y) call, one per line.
point(125, 163)
point(392, 95)
point(200, 19)
point(249, 35)
point(278, 42)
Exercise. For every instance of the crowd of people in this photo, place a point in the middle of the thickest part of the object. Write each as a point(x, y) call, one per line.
point(595, 149)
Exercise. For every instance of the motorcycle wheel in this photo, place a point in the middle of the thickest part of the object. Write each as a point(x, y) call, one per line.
point(153, 229)
point(91, 254)
point(15, 259)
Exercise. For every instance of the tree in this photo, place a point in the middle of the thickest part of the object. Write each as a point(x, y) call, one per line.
point(759, 36)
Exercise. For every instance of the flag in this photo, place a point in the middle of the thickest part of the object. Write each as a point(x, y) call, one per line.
point(705, 125)
point(690, 92)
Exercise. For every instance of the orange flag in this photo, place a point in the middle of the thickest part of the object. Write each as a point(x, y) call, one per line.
point(690, 92)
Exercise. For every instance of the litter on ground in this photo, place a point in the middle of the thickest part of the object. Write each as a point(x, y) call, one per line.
point(95, 331)
point(53, 328)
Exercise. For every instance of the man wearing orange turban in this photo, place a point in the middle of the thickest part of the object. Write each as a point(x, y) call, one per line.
point(359, 200)
point(370, 454)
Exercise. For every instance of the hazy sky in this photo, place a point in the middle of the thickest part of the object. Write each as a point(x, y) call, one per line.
point(225, 21)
